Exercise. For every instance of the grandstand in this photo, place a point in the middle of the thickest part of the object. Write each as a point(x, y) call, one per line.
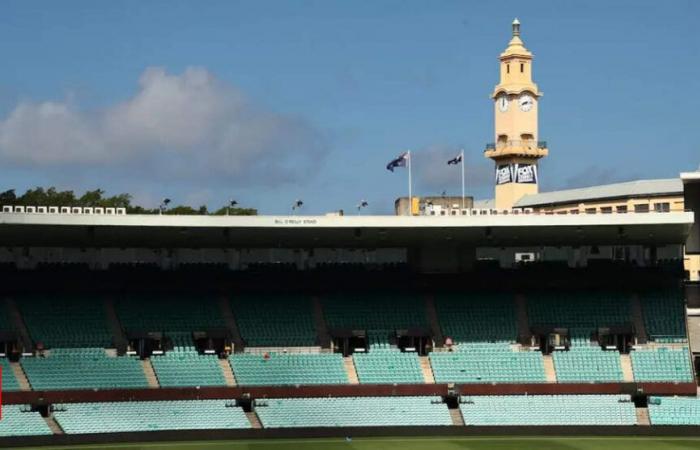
point(133, 325)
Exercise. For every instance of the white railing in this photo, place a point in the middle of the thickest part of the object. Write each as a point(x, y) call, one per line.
point(65, 210)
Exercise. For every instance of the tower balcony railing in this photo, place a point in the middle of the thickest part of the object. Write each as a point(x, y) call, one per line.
point(516, 147)
point(515, 143)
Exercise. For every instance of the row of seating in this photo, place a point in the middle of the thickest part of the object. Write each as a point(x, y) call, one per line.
point(287, 320)
point(288, 369)
point(274, 320)
point(9, 381)
point(548, 410)
point(122, 417)
point(495, 363)
point(20, 420)
point(66, 321)
point(663, 364)
point(587, 364)
point(184, 366)
point(83, 368)
point(674, 410)
point(387, 367)
point(352, 412)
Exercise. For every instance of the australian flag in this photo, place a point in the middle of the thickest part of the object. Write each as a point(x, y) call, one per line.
point(456, 160)
point(398, 162)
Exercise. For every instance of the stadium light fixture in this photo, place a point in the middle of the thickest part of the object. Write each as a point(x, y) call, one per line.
point(297, 205)
point(362, 204)
point(164, 205)
point(231, 204)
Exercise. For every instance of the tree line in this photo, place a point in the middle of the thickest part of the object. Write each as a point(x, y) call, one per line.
point(97, 198)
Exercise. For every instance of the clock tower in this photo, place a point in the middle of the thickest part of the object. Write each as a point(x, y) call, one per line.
point(516, 148)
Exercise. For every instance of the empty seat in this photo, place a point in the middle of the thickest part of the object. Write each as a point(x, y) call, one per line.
point(274, 320)
point(352, 412)
point(83, 368)
point(288, 369)
point(548, 410)
point(662, 365)
point(19, 420)
point(121, 417)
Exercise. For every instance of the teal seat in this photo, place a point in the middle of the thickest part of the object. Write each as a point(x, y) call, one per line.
point(548, 410)
point(124, 417)
point(288, 369)
point(352, 412)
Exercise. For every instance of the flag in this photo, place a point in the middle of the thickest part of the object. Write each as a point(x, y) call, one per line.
point(456, 160)
point(398, 162)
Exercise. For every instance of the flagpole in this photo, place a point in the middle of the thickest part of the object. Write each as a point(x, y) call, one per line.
point(463, 201)
point(410, 196)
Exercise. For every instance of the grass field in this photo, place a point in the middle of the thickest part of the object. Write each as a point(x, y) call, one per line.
point(467, 443)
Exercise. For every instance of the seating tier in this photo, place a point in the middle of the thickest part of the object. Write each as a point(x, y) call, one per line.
point(116, 417)
point(18, 420)
point(587, 364)
point(275, 320)
point(388, 366)
point(352, 412)
point(375, 311)
point(469, 318)
point(674, 410)
point(664, 316)
point(52, 319)
point(581, 312)
point(548, 410)
point(184, 366)
point(288, 369)
point(9, 381)
point(84, 368)
point(488, 364)
point(662, 365)
point(171, 314)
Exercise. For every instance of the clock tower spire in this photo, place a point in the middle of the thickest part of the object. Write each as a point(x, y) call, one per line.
point(516, 148)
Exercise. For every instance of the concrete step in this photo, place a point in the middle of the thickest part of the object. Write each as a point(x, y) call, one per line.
point(522, 318)
point(549, 372)
point(228, 372)
point(115, 326)
point(638, 319)
point(253, 419)
point(456, 416)
point(350, 370)
point(21, 377)
point(627, 372)
point(150, 374)
point(643, 417)
point(324, 338)
point(19, 325)
point(431, 314)
point(230, 321)
point(427, 370)
point(53, 425)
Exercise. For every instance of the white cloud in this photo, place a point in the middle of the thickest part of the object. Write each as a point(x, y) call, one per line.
point(184, 125)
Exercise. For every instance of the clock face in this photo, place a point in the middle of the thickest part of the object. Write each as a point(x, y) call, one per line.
point(526, 102)
point(502, 103)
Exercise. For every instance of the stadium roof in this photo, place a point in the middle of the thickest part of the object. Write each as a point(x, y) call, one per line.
point(630, 189)
point(163, 231)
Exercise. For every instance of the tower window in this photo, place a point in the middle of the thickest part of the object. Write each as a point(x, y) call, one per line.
point(522, 68)
point(507, 68)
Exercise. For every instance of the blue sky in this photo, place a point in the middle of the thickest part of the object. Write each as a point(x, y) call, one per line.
point(268, 101)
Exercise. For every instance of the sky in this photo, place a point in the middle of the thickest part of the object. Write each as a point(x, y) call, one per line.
point(266, 102)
